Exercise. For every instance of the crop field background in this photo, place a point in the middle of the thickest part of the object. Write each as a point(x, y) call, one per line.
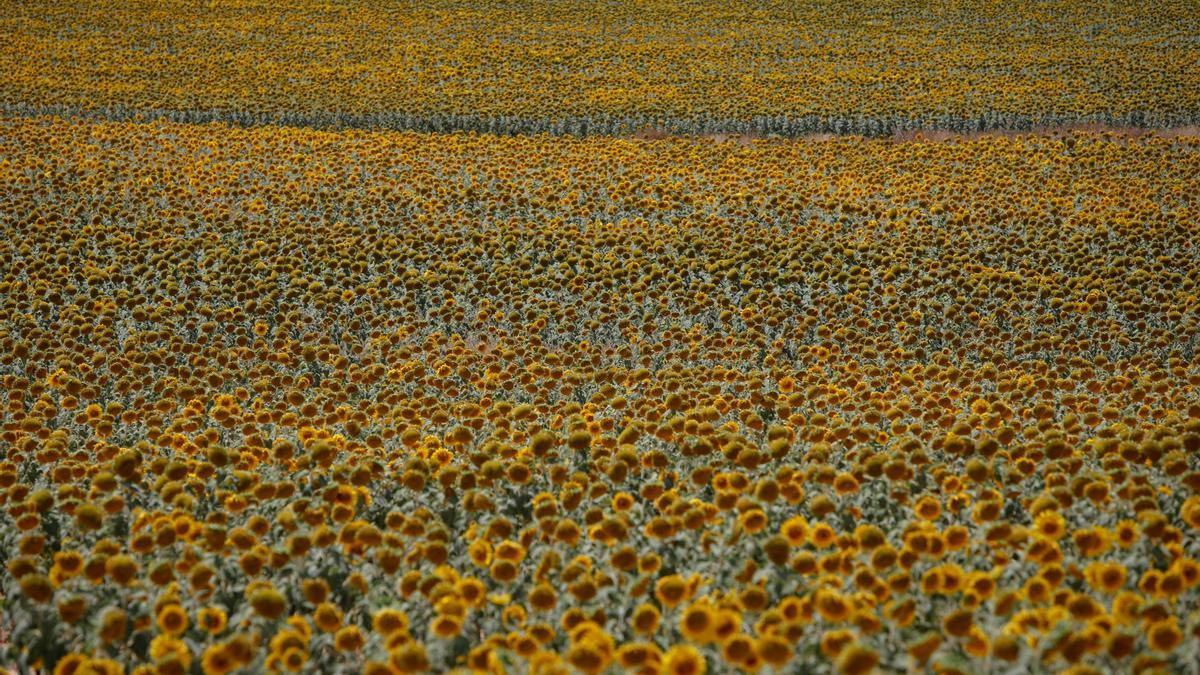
point(700, 66)
point(599, 338)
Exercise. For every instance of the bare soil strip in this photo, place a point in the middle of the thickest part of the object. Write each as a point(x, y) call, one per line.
point(939, 135)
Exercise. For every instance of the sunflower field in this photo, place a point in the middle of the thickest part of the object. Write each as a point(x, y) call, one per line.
point(597, 337)
point(587, 67)
point(298, 400)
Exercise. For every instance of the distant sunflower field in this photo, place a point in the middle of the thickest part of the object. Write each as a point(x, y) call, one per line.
point(586, 67)
point(599, 337)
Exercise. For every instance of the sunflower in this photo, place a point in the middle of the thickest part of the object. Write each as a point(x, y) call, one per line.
point(327, 617)
point(349, 639)
point(1172, 583)
point(633, 655)
point(113, 624)
point(409, 658)
point(795, 530)
point(121, 569)
point(753, 521)
point(586, 657)
point(774, 650)
point(958, 623)
point(447, 626)
point(696, 622)
point(622, 501)
point(592, 648)
point(1083, 607)
point(472, 591)
point(510, 550)
point(71, 609)
point(952, 578)
point(1106, 577)
point(738, 648)
point(301, 626)
point(293, 659)
point(480, 552)
point(37, 587)
point(68, 563)
point(1038, 590)
point(684, 660)
point(217, 660)
point(645, 619)
point(1121, 645)
point(1050, 524)
point(172, 620)
point(241, 648)
point(777, 549)
point(165, 647)
point(1092, 541)
point(649, 563)
point(70, 664)
point(923, 648)
point(387, 621)
point(289, 637)
point(956, 537)
point(752, 598)
point(845, 484)
point(1164, 636)
point(928, 508)
point(982, 584)
point(1190, 571)
point(931, 581)
point(315, 591)
point(726, 623)
point(833, 606)
point(1190, 512)
point(1126, 533)
point(101, 666)
point(823, 535)
point(856, 659)
point(671, 590)
point(268, 602)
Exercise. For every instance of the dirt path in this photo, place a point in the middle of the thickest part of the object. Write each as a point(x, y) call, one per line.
point(938, 135)
point(1130, 132)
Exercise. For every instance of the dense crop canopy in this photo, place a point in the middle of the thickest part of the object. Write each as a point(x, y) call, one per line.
point(286, 399)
